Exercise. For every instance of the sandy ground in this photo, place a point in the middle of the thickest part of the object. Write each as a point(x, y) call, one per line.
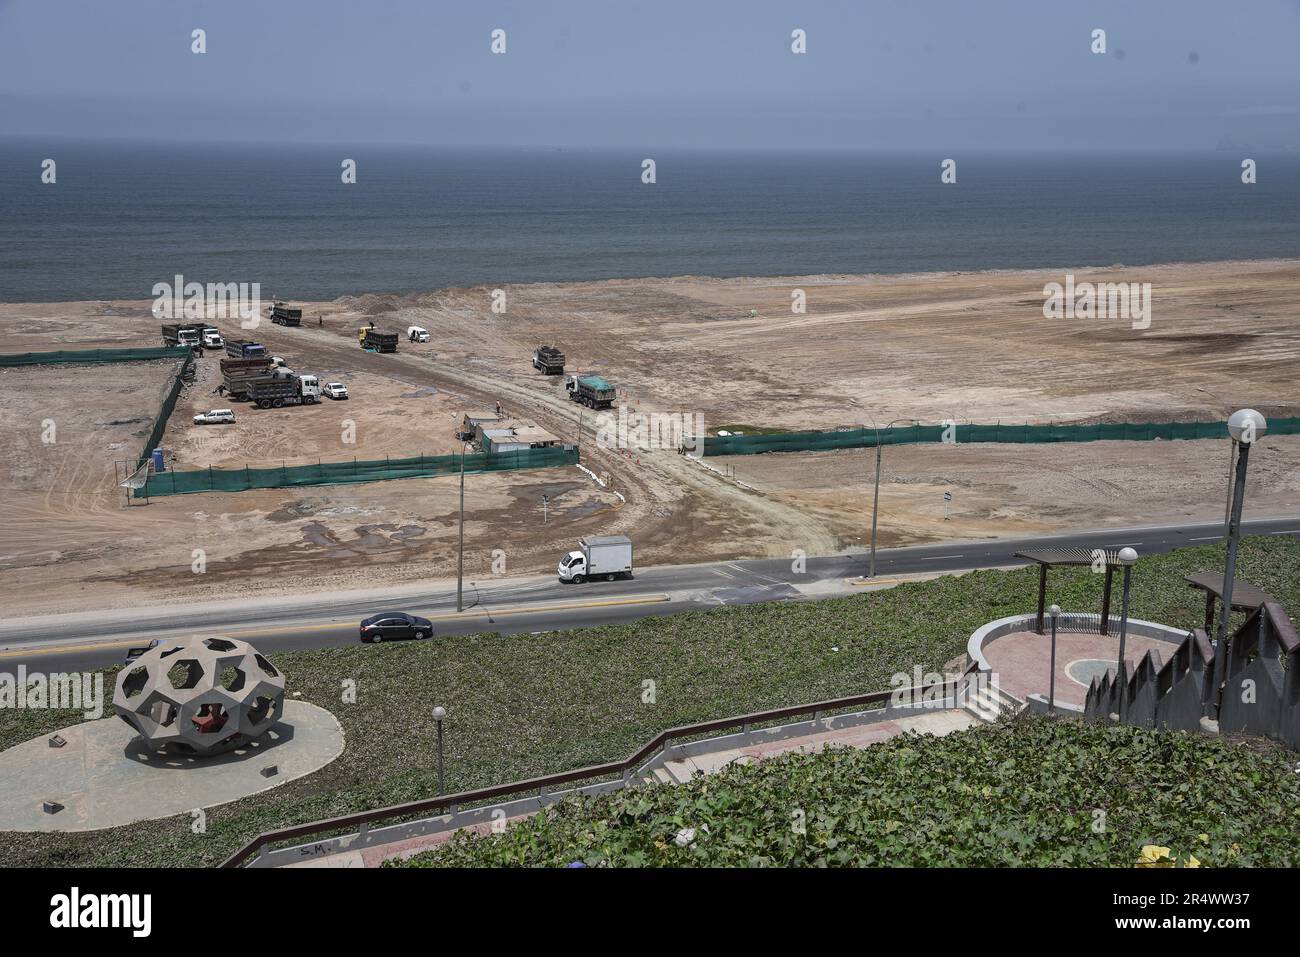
point(974, 347)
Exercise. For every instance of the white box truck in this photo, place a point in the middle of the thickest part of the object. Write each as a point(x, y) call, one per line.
point(601, 556)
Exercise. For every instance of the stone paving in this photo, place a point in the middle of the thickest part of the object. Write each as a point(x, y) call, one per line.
point(1022, 660)
point(104, 776)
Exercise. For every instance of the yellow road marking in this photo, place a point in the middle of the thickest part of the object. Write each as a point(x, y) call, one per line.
point(874, 581)
point(483, 612)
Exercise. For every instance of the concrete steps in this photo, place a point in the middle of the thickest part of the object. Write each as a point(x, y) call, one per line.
point(988, 703)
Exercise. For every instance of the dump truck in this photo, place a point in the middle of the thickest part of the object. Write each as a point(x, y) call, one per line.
point(276, 391)
point(182, 334)
point(236, 374)
point(212, 338)
point(282, 315)
point(598, 556)
point(244, 349)
point(549, 360)
point(591, 390)
point(376, 340)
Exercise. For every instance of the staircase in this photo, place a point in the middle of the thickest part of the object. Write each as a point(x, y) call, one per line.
point(986, 702)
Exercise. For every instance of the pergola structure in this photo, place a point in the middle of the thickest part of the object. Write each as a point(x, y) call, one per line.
point(1051, 557)
point(1245, 596)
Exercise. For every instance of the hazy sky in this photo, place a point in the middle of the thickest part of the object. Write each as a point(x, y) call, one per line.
point(908, 74)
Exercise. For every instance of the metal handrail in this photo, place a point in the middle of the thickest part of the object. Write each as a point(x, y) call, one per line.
point(547, 782)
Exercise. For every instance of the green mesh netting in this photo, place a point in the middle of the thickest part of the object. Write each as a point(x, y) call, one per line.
point(94, 355)
point(338, 473)
point(912, 434)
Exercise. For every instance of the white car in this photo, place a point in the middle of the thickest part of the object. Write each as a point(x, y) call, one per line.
point(215, 417)
point(335, 390)
point(276, 361)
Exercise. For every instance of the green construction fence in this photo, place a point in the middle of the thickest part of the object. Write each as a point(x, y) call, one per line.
point(167, 407)
point(94, 355)
point(914, 434)
point(342, 473)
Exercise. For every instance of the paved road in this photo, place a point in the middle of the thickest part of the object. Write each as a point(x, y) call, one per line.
point(537, 604)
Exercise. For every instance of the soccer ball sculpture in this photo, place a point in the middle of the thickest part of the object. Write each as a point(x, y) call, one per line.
point(200, 695)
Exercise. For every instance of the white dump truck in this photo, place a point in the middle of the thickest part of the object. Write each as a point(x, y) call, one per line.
point(601, 556)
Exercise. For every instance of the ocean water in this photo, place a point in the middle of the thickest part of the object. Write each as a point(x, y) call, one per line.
point(123, 217)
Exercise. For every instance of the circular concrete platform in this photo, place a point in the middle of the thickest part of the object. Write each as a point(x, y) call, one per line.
point(1083, 670)
point(105, 777)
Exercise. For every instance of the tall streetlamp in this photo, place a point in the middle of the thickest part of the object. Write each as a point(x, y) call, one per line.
point(460, 559)
point(439, 713)
point(1128, 558)
point(1055, 612)
point(1227, 505)
point(875, 499)
point(1245, 426)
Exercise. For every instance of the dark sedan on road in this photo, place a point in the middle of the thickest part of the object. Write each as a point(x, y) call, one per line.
point(395, 624)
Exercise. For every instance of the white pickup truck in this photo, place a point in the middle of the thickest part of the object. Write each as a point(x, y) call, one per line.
point(600, 556)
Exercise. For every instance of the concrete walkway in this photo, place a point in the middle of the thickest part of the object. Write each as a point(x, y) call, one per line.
point(681, 770)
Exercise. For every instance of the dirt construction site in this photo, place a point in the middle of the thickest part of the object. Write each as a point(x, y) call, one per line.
point(969, 347)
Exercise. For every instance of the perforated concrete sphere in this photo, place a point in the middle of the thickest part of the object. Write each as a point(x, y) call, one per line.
point(200, 695)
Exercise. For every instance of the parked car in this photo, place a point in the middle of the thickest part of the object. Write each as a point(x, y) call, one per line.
point(335, 390)
point(395, 624)
point(134, 653)
point(215, 417)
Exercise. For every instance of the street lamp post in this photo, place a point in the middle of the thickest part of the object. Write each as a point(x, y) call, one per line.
point(875, 499)
point(439, 713)
point(1245, 426)
point(1055, 612)
point(460, 558)
point(1227, 505)
point(1127, 557)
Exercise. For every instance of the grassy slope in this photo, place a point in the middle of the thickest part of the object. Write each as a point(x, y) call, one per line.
point(1030, 792)
point(526, 705)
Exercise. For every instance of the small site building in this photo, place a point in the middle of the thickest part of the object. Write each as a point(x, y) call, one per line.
point(508, 436)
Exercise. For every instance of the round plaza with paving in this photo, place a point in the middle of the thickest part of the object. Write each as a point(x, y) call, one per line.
point(103, 775)
point(1022, 661)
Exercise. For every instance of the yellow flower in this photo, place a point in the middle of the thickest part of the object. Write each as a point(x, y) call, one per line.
point(1153, 855)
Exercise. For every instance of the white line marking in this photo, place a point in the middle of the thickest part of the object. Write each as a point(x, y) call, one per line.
point(1214, 538)
point(1290, 531)
point(937, 558)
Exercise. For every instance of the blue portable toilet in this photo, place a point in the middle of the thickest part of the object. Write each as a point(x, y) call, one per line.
point(158, 464)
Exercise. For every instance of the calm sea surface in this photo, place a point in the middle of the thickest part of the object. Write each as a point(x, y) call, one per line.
point(122, 217)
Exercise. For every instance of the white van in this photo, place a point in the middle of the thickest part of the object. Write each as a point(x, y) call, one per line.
point(417, 334)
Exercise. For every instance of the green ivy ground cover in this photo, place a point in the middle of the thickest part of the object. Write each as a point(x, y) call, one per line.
point(1032, 792)
point(527, 705)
